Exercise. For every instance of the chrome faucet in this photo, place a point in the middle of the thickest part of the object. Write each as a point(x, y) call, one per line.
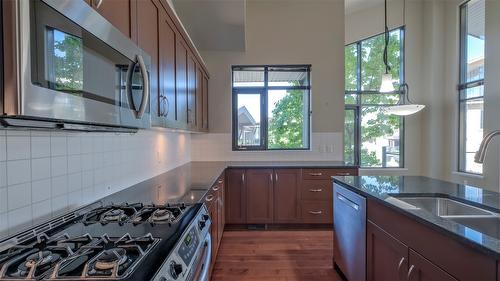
point(481, 153)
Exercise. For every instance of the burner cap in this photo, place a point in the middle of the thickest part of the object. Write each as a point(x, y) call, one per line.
point(109, 258)
point(162, 215)
point(114, 215)
point(41, 259)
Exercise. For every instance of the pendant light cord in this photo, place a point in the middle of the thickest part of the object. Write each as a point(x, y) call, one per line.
point(386, 33)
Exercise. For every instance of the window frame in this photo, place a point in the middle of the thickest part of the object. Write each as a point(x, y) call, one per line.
point(264, 92)
point(357, 107)
point(464, 85)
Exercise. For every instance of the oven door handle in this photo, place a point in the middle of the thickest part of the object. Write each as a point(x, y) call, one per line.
point(204, 263)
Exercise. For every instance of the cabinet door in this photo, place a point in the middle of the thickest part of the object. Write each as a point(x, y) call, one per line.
point(212, 211)
point(147, 39)
point(422, 269)
point(181, 79)
point(235, 196)
point(165, 107)
point(205, 103)
point(259, 196)
point(386, 257)
point(286, 190)
point(221, 218)
point(118, 12)
point(191, 91)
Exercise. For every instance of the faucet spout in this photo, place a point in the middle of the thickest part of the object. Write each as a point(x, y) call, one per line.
point(481, 153)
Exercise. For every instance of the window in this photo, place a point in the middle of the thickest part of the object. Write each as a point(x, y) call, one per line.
point(371, 137)
point(471, 87)
point(271, 108)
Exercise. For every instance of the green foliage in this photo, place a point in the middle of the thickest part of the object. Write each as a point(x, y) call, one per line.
point(68, 60)
point(374, 123)
point(287, 123)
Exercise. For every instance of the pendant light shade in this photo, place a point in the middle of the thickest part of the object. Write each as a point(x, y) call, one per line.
point(386, 86)
point(406, 107)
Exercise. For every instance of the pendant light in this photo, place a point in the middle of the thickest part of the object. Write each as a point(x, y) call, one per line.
point(386, 86)
point(405, 106)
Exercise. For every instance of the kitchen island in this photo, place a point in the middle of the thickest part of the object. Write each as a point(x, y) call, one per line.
point(419, 228)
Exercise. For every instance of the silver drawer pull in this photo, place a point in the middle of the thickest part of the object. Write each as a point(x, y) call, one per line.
point(215, 187)
point(315, 212)
point(220, 181)
point(316, 174)
point(316, 190)
point(343, 174)
point(209, 198)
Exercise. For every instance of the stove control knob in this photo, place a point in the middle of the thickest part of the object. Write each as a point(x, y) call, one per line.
point(202, 224)
point(206, 217)
point(175, 269)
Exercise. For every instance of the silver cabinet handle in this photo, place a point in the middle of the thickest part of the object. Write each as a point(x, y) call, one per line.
point(316, 174)
point(271, 176)
point(215, 188)
point(316, 190)
point(343, 174)
point(145, 96)
point(347, 201)
point(315, 212)
point(220, 181)
point(243, 178)
point(209, 198)
point(276, 175)
point(410, 273)
point(400, 266)
point(97, 3)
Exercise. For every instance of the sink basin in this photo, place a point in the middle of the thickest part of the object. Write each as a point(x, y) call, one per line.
point(445, 207)
point(481, 220)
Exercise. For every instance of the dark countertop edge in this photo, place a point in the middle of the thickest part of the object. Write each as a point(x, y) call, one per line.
point(473, 244)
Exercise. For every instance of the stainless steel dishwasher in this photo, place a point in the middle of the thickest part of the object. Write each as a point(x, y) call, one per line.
point(349, 220)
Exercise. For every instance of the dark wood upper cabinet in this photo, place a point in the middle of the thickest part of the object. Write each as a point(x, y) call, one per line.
point(164, 108)
point(235, 203)
point(421, 269)
point(148, 22)
point(191, 91)
point(118, 12)
point(286, 192)
point(387, 258)
point(259, 196)
point(181, 81)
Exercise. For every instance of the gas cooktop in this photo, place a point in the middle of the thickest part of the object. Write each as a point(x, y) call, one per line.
point(115, 242)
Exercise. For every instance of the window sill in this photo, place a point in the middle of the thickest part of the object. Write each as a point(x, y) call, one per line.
point(469, 175)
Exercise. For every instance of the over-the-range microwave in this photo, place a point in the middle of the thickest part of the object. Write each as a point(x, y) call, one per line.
point(66, 67)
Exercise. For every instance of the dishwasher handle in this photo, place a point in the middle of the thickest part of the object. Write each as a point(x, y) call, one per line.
point(348, 202)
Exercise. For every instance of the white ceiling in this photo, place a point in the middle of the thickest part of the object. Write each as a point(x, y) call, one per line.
point(214, 25)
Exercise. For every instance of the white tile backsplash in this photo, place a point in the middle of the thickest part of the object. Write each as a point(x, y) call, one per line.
point(40, 147)
point(18, 171)
point(44, 174)
point(18, 147)
point(19, 195)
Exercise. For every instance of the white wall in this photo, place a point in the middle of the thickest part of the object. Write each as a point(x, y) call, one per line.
point(283, 32)
point(43, 174)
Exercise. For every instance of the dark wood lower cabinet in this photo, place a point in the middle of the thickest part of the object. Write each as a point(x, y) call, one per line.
point(235, 196)
point(286, 194)
point(422, 269)
point(259, 196)
point(387, 258)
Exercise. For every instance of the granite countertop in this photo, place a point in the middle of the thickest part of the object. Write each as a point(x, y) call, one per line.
point(190, 182)
point(386, 189)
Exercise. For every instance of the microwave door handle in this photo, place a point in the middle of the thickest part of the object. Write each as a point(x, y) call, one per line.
point(130, 73)
point(145, 96)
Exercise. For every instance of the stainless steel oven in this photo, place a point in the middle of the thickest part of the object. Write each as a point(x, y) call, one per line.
point(67, 67)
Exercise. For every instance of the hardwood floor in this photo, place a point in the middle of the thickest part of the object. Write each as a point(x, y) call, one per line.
point(275, 255)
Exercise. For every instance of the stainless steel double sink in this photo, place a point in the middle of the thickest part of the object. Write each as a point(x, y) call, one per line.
point(476, 218)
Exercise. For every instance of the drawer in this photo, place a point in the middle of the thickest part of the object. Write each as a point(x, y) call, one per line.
point(316, 190)
point(317, 211)
point(326, 174)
